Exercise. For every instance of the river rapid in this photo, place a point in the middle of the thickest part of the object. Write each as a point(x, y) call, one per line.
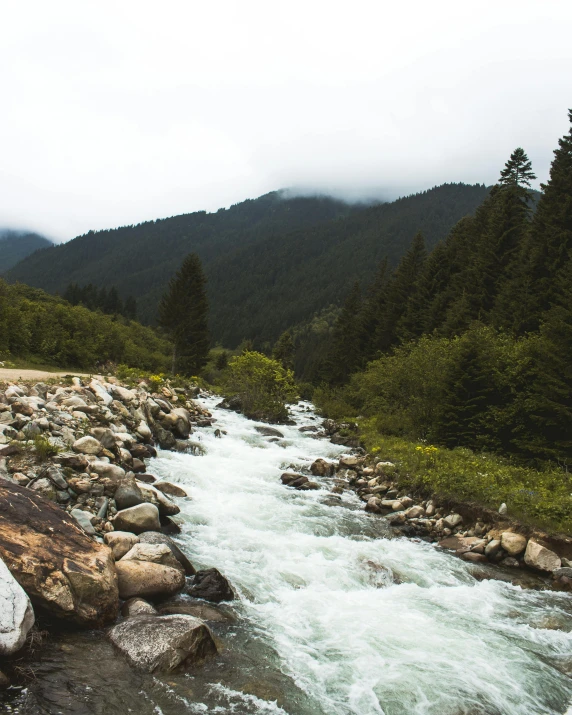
point(335, 616)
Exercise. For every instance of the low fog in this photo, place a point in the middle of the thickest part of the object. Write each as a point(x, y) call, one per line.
point(116, 113)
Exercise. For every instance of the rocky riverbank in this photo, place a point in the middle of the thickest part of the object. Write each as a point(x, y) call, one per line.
point(85, 531)
point(475, 534)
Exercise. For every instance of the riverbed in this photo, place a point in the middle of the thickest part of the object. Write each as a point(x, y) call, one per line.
point(334, 615)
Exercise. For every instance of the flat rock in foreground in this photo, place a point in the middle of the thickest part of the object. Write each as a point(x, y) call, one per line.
point(62, 570)
point(162, 643)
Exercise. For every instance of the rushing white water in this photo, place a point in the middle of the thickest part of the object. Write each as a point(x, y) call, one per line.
point(356, 621)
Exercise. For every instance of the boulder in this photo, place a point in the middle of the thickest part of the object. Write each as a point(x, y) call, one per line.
point(128, 494)
point(16, 613)
point(137, 607)
point(166, 506)
point(350, 462)
point(144, 578)
point(183, 604)
point(44, 487)
point(321, 468)
point(63, 571)
point(474, 557)
point(143, 517)
point(492, 548)
point(513, 544)
point(268, 431)
point(541, 558)
point(120, 542)
point(83, 518)
point(415, 512)
point(210, 585)
point(162, 643)
point(154, 537)
point(171, 489)
point(100, 392)
point(452, 520)
point(104, 436)
point(153, 553)
point(87, 445)
point(107, 471)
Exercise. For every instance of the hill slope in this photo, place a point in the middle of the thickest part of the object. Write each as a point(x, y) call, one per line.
point(270, 262)
point(139, 260)
point(16, 245)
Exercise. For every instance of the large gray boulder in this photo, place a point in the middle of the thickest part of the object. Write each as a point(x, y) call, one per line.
point(16, 613)
point(147, 579)
point(153, 553)
point(154, 537)
point(541, 558)
point(162, 643)
point(87, 445)
point(137, 519)
point(513, 544)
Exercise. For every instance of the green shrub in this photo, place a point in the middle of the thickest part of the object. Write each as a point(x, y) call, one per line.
point(44, 448)
point(262, 384)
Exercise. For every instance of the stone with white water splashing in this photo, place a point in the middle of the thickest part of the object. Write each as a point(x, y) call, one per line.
point(16, 613)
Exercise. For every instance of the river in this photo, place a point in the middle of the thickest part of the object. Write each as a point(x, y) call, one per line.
point(335, 616)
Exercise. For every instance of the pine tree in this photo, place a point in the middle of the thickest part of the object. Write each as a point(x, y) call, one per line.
point(130, 308)
point(284, 350)
point(517, 172)
point(183, 313)
point(470, 392)
point(344, 354)
point(373, 310)
point(547, 385)
point(546, 248)
point(400, 291)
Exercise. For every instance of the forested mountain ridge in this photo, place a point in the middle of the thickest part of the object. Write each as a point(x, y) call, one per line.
point(140, 259)
point(270, 263)
point(269, 286)
point(16, 245)
point(470, 345)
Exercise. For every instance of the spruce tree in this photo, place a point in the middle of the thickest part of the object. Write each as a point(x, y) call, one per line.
point(344, 354)
point(546, 248)
point(183, 313)
point(284, 350)
point(517, 172)
point(470, 392)
point(373, 310)
point(400, 291)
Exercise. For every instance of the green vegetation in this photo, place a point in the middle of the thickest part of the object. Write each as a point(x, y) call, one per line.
point(101, 299)
point(262, 385)
point(183, 313)
point(542, 498)
point(35, 326)
point(271, 263)
point(459, 363)
point(44, 448)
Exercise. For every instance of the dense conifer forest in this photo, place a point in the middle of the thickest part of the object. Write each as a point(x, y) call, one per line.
point(471, 344)
point(271, 263)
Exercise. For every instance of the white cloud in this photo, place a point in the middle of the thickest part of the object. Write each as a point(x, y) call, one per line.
point(118, 112)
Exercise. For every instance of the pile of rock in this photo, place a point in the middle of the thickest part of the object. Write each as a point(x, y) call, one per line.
point(104, 432)
point(492, 539)
point(83, 526)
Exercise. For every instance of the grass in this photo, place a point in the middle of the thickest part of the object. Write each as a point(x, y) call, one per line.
point(540, 498)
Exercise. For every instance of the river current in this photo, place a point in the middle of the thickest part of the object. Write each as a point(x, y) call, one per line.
point(335, 616)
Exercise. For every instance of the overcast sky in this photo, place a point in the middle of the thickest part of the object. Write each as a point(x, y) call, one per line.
point(117, 112)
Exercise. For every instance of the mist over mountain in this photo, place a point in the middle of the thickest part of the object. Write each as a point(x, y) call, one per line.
point(270, 262)
point(17, 244)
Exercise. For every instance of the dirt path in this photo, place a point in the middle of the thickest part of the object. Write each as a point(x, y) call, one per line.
point(11, 374)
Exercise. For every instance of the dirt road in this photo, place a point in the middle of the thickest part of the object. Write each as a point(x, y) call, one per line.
point(12, 374)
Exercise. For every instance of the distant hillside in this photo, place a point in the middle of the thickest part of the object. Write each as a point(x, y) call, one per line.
point(139, 260)
point(271, 262)
point(16, 245)
point(263, 288)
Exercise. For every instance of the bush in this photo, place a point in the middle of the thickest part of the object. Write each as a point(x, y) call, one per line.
point(44, 448)
point(262, 384)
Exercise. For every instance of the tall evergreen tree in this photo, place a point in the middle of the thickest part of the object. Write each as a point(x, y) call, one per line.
point(517, 172)
point(400, 291)
point(532, 290)
point(344, 354)
point(373, 310)
point(183, 313)
point(470, 391)
point(283, 350)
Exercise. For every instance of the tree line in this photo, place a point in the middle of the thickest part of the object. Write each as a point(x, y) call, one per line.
point(471, 344)
point(94, 298)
